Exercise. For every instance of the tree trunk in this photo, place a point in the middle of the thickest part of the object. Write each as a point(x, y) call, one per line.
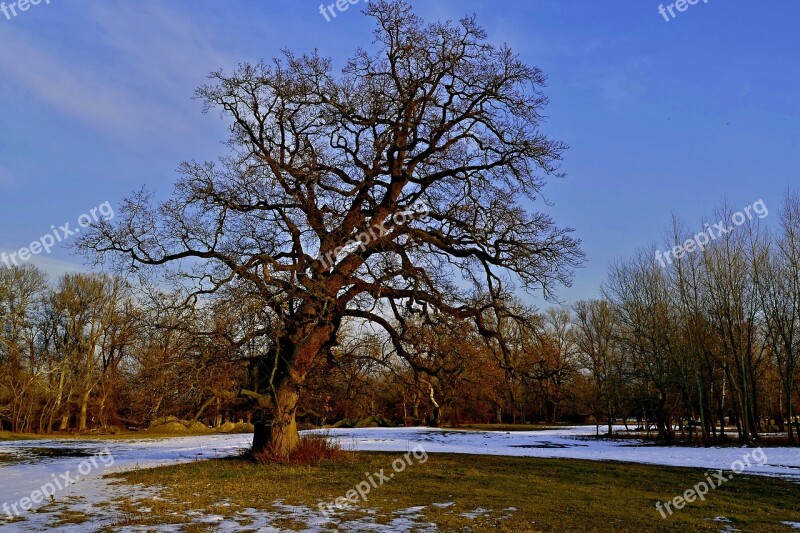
point(278, 378)
point(84, 405)
point(789, 414)
point(435, 417)
point(59, 393)
point(721, 408)
point(276, 429)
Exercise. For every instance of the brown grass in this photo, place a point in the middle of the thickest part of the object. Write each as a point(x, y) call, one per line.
point(313, 450)
point(518, 494)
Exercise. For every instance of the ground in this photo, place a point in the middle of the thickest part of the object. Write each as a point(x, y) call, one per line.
point(7, 435)
point(464, 492)
point(558, 479)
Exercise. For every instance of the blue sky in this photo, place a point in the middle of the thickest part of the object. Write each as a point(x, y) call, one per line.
point(661, 117)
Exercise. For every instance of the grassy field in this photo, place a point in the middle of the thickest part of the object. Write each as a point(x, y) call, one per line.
point(502, 493)
point(7, 435)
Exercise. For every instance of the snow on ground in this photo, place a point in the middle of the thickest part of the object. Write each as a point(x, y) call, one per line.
point(26, 466)
point(35, 463)
point(575, 442)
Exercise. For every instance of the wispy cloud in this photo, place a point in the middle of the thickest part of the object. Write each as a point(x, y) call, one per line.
point(78, 90)
point(53, 267)
point(161, 45)
point(165, 51)
point(619, 84)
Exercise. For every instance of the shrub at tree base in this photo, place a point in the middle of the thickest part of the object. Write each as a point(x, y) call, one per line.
point(311, 450)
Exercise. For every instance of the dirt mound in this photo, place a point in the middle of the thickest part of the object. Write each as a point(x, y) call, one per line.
point(239, 427)
point(375, 421)
point(244, 427)
point(198, 427)
point(227, 427)
point(163, 420)
point(169, 427)
point(173, 425)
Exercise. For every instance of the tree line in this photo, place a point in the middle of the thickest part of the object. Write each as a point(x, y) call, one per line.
point(92, 351)
point(710, 339)
point(705, 346)
point(98, 352)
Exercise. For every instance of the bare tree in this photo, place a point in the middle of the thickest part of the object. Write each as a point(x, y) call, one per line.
point(777, 270)
point(557, 362)
point(317, 210)
point(22, 291)
point(734, 313)
point(686, 277)
point(597, 338)
point(640, 293)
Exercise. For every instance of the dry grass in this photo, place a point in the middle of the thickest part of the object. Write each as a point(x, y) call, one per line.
point(313, 450)
point(516, 494)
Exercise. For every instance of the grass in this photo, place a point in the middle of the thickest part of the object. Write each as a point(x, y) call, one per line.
point(517, 494)
point(9, 436)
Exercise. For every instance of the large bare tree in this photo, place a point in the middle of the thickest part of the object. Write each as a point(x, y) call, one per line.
point(402, 184)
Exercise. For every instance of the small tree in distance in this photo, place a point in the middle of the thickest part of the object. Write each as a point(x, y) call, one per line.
point(315, 212)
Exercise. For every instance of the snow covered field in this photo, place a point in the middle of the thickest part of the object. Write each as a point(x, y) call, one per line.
point(569, 443)
point(26, 466)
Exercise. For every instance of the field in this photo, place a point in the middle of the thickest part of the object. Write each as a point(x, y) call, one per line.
point(460, 492)
point(412, 479)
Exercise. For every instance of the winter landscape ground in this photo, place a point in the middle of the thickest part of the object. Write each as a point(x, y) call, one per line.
point(130, 495)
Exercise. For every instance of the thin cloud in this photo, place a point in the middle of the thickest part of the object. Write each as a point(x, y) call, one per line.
point(169, 54)
point(53, 267)
point(163, 46)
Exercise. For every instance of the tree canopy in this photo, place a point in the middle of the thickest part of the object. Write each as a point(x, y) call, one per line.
point(399, 185)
